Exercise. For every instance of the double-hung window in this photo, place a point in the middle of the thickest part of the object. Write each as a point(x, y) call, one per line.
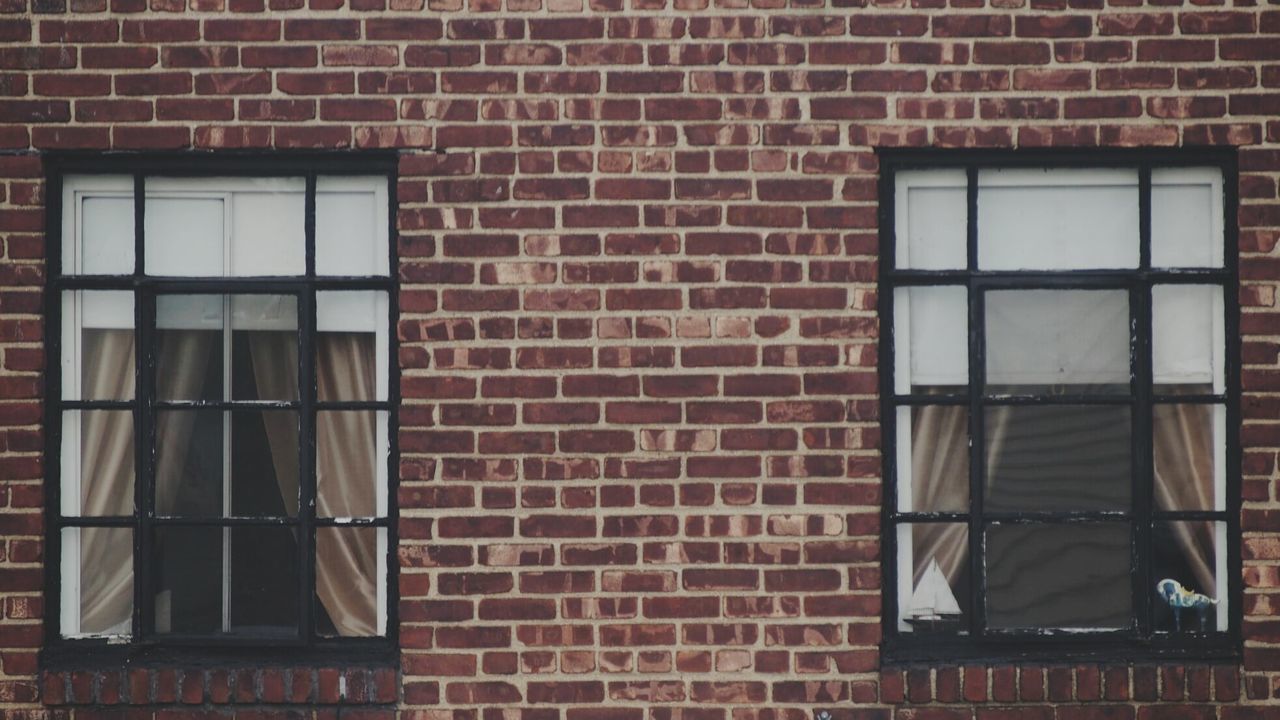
point(1060, 404)
point(221, 426)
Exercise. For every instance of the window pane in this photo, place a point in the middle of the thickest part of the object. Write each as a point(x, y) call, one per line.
point(184, 235)
point(97, 225)
point(351, 462)
point(1187, 344)
point(351, 346)
point(1188, 442)
point(268, 235)
point(1059, 219)
point(350, 581)
point(933, 595)
point(189, 352)
point(211, 463)
point(931, 336)
point(97, 581)
point(351, 226)
point(1058, 457)
point(1058, 576)
point(106, 237)
point(931, 220)
point(213, 581)
point(1192, 554)
point(1040, 340)
point(98, 361)
point(933, 458)
point(1186, 217)
point(97, 462)
point(264, 347)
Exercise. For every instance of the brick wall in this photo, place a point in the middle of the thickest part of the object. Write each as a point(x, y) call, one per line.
point(640, 473)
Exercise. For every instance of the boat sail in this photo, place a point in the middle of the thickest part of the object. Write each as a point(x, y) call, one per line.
point(932, 603)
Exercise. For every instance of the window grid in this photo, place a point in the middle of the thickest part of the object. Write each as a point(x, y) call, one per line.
point(1139, 640)
point(145, 289)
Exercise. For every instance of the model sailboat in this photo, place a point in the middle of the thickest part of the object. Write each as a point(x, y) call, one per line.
point(933, 605)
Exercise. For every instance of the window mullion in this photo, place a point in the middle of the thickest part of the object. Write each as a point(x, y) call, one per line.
point(1140, 301)
point(307, 424)
point(145, 462)
point(977, 379)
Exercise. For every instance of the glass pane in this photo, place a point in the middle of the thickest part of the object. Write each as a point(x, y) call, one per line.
point(211, 463)
point(98, 345)
point(931, 220)
point(1060, 219)
point(1188, 559)
point(1188, 344)
point(97, 581)
point(933, 596)
point(1190, 463)
point(212, 581)
point(351, 346)
point(1186, 217)
point(189, 363)
point(933, 454)
point(1059, 576)
point(268, 235)
point(1057, 341)
point(264, 354)
point(351, 581)
point(105, 231)
point(1058, 457)
point(97, 462)
point(264, 347)
point(931, 339)
point(184, 235)
point(351, 226)
point(351, 463)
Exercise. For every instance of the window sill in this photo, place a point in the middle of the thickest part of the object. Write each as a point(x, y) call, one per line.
point(76, 674)
point(1191, 647)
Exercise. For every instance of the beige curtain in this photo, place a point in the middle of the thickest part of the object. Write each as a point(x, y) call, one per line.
point(1183, 447)
point(346, 558)
point(106, 482)
point(939, 483)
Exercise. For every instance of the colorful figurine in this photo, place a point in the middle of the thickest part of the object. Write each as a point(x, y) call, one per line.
point(1180, 598)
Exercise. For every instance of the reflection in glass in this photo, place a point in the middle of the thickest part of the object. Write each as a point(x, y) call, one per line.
point(1192, 554)
point(1058, 576)
point(1057, 341)
point(934, 596)
point(97, 581)
point(933, 458)
point(1058, 457)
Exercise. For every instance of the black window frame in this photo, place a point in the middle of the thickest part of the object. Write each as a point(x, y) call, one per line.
point(1139, 642)
point(145, 647)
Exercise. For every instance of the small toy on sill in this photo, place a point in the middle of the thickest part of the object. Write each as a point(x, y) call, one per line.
point(1180, 598)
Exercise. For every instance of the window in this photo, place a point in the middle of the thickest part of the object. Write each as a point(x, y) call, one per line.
point(221, 435)
point(1060, 406)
